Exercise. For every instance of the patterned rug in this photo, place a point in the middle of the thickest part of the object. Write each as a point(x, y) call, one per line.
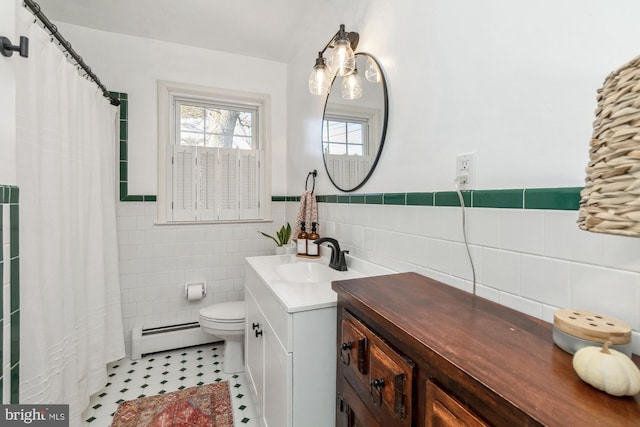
point(204, 406)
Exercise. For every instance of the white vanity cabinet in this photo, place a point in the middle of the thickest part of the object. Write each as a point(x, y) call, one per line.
point(290, 357)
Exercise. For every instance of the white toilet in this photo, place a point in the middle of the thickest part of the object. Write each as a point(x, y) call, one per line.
point(226, 320)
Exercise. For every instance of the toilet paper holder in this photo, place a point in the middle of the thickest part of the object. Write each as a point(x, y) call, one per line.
point(201, 285)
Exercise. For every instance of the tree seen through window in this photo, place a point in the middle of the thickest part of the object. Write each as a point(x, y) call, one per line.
point(207, 126)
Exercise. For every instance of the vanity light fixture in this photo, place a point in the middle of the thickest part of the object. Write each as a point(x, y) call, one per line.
point(341, 62)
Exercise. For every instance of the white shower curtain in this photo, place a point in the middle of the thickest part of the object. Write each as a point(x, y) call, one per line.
point(71, 321)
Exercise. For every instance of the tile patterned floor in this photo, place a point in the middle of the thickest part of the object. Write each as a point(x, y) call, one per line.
point(165, 372)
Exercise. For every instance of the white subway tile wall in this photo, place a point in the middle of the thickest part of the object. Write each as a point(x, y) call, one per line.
point(157, 260)
point(534, 261)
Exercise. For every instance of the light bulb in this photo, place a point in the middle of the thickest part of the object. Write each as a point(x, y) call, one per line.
point(320, 78)
point(352, 86)
point(372, 73)
point(343, 60)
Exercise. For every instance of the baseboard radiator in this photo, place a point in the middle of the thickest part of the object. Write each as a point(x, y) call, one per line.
point(151, 340)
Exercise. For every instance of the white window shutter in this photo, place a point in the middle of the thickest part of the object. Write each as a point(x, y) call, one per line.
point(334, 168)
point(184, 183)
point(228, 184)
point(351, 171)
point(250, 161)
point(364, 167)
point(207, 169)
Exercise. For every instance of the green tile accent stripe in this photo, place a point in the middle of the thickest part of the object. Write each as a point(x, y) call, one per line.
point(357, 199)
point(451, 198)
point(420, 199)
point(562, 198)
point(124, 153)
point(10, 261)
point(552, 198)
point(498, 199)
point(394, 199)
point(373, 199)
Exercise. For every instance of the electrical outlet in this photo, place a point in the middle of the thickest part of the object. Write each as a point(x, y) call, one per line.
point(465, 170)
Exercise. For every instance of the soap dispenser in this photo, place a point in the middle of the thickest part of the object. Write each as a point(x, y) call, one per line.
point(302, 240)
point(312, 248)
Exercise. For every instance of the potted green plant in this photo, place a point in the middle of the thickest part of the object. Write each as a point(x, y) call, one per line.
point(282, 238)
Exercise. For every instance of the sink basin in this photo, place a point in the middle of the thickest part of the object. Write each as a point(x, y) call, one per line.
point(305, 284)
point(307, 272)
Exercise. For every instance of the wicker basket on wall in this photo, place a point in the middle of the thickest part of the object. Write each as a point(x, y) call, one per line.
point(610, 201)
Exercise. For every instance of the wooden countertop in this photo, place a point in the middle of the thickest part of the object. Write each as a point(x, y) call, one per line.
point(508, 352)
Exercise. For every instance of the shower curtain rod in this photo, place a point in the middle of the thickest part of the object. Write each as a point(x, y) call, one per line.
point(37, 11)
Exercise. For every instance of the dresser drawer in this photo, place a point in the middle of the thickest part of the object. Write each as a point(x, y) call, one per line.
point(444, 410)
point(382, 377)
point(354, 347)
point(355, 411)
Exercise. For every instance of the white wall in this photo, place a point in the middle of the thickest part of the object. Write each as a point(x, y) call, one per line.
point(157, 261)
point(134, 65)
point(513, 81)
point(7, 97)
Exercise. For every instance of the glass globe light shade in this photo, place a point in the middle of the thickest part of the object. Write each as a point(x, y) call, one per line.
point(372, 73)
point(320, 78)
point(343, 60)
point(352, 86)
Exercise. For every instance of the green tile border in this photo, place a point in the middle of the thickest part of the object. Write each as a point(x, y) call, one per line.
point(567, 198)
point(124, 153)
point(357, 199)
point(420, 199)
point(394, 198)
point(451, 198)
point(2, 315)
point(513, 199)
point(10, 195)
point(561, 198)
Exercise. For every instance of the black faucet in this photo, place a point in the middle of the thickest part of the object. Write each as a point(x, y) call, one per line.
point(337, 260)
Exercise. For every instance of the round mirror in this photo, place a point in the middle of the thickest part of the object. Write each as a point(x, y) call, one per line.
point(354, 124)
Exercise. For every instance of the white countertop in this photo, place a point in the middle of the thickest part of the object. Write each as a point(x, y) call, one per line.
point(302, 284)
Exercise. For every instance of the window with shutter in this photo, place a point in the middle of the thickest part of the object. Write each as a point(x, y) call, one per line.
point(346, 145)
point(215, 151)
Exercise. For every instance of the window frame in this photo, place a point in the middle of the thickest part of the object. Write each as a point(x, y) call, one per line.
point(168, 93)
point(369, 117)
point(365, 126)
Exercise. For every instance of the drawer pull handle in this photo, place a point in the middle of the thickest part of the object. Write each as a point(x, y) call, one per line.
point(346, 346)
point(255, 325)
point(258, 333)
point(376, 388)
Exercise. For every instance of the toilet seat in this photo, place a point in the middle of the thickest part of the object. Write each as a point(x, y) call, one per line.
point(225, 312)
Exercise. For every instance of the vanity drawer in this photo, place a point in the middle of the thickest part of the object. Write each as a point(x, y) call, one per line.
point(381, 376)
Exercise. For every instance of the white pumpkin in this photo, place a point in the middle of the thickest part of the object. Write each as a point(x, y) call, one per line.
point(607, 370)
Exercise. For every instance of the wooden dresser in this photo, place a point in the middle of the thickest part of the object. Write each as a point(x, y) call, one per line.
point(415, 352)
